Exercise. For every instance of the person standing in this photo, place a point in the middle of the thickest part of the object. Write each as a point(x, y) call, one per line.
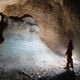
point(69, 55)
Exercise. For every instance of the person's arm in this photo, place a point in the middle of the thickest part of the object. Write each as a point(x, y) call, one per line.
point(67, 49)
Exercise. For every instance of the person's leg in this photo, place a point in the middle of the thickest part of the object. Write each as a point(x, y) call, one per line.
point(68, 62)
point(71, 63)
point(67, 65)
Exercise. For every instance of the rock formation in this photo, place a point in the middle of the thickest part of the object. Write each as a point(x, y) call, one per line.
point(58, 19)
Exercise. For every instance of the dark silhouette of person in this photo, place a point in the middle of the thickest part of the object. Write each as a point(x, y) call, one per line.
point(3, 25)
point(69, 55)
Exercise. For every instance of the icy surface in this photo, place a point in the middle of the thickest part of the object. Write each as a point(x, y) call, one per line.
point(24, 49)
point(28, 51)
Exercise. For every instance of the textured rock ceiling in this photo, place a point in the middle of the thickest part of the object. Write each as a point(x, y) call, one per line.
point(57, 19)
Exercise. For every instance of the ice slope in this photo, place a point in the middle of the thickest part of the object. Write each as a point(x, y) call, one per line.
point(24, 49)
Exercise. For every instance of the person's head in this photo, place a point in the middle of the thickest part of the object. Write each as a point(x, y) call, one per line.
point(70, 41)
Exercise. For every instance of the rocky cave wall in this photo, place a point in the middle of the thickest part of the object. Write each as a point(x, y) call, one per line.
point(59, 20)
